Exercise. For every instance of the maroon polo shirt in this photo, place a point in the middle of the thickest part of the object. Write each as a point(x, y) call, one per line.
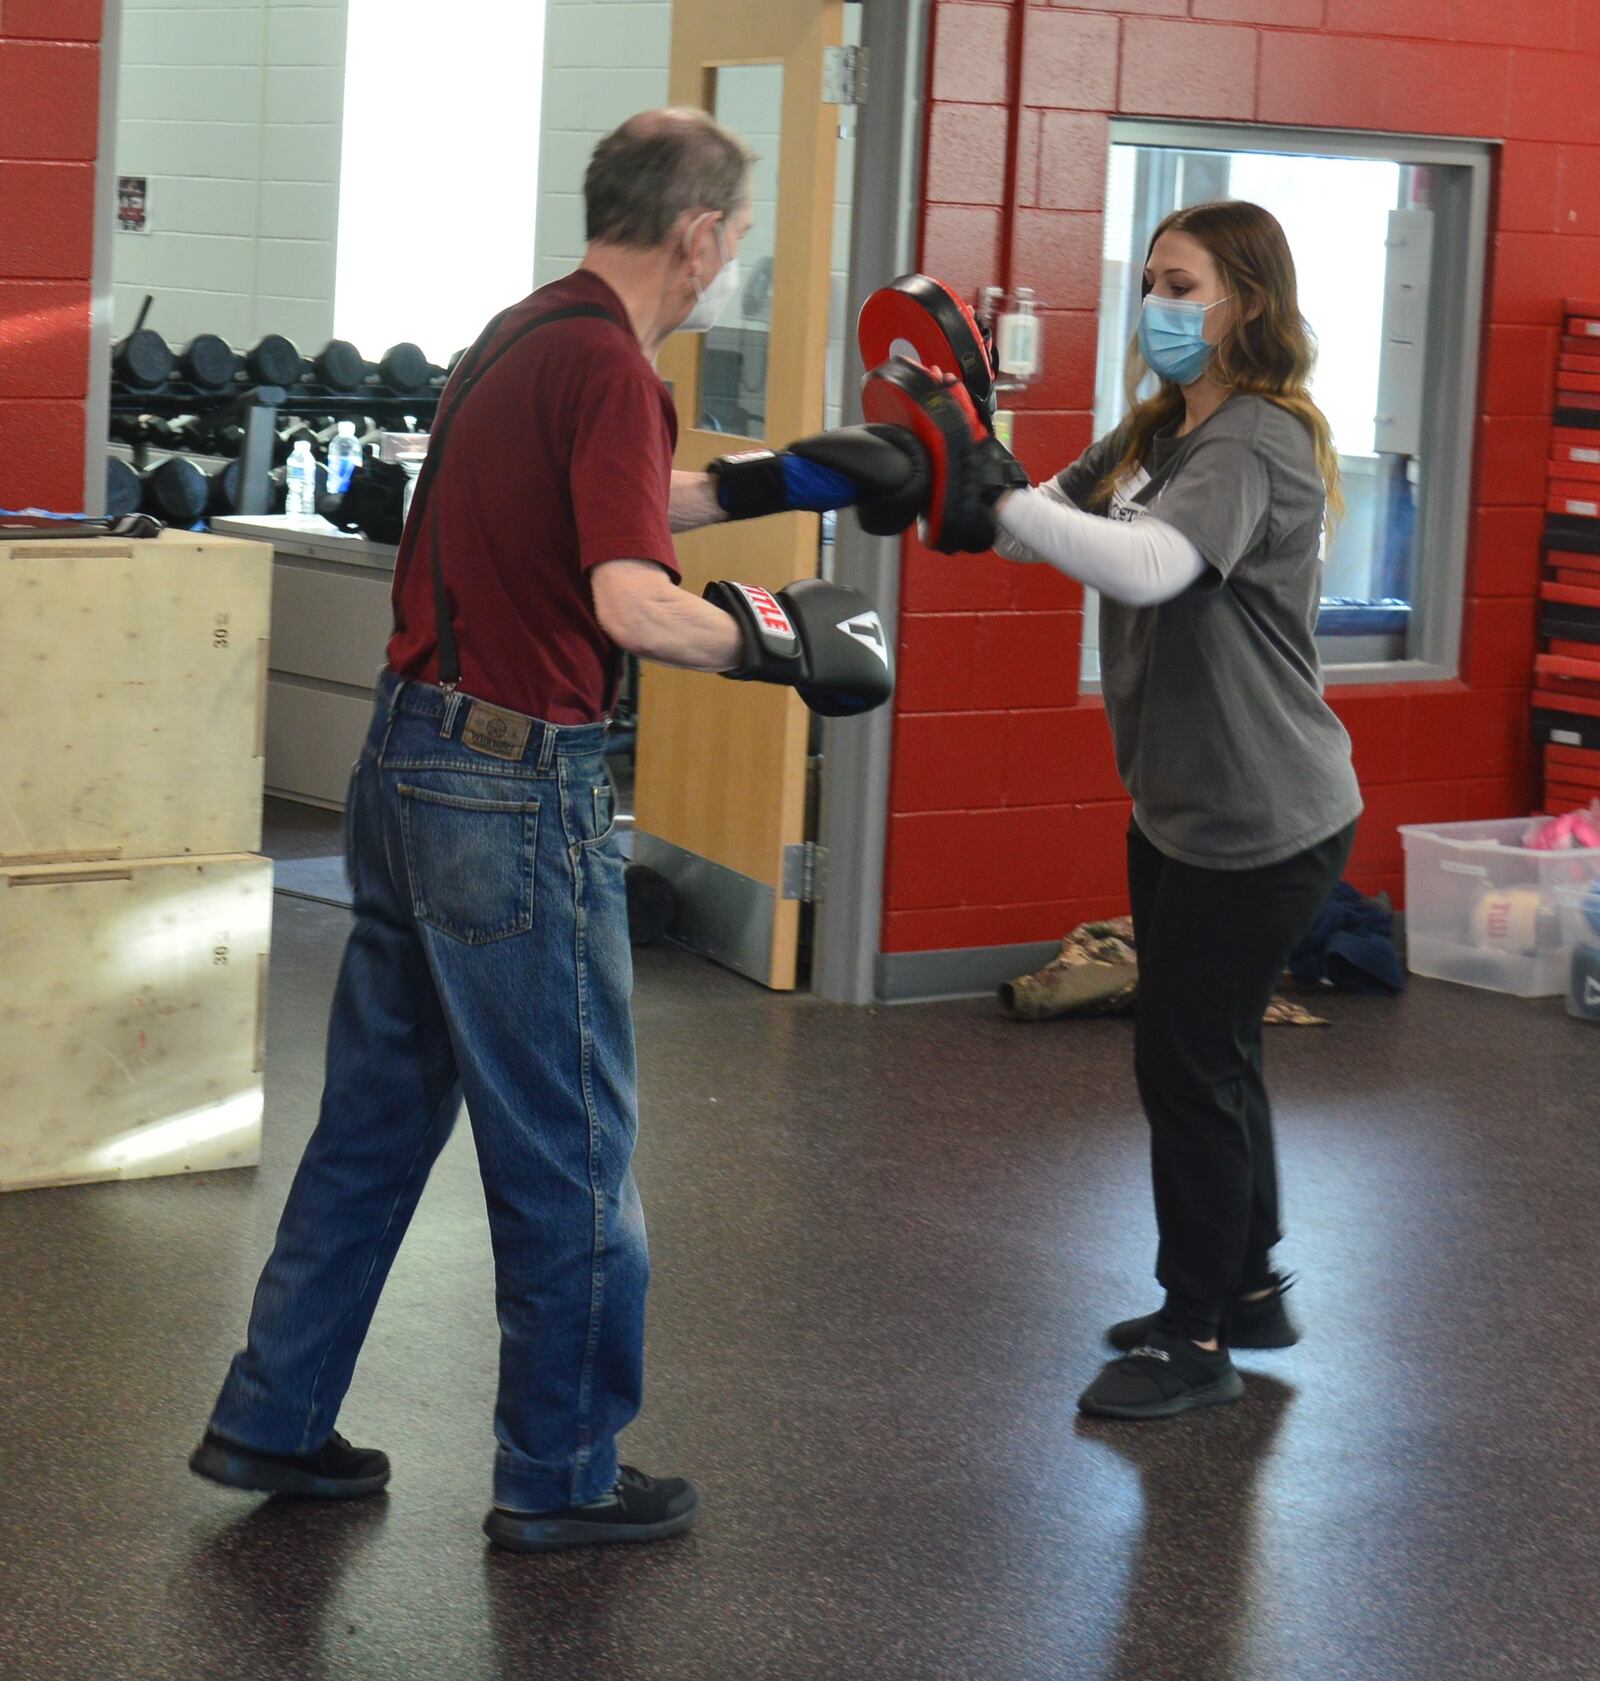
point(559, 460)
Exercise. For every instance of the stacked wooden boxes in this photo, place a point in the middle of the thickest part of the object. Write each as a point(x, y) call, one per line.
point(134, 915)
point(1566, 695)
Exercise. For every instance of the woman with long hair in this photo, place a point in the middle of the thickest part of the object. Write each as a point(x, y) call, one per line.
point(1200, 520)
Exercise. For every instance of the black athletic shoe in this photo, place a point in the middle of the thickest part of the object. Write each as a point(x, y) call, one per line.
point(336, 1471)
point(1165, 1375)
point(1261, 1324)
point(641, 1508)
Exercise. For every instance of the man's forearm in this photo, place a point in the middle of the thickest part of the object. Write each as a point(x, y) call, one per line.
point(682, 630)
point(693, 502)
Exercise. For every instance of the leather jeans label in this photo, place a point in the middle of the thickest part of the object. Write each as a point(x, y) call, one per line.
point(502, 735)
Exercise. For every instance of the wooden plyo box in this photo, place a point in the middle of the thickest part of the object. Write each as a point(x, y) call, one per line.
point(132, 697)
point(132, 1010)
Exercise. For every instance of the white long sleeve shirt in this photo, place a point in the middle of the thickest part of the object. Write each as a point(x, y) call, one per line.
point(1139, 562)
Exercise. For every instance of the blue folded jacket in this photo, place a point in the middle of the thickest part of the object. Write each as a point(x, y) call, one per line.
point(1351, 947)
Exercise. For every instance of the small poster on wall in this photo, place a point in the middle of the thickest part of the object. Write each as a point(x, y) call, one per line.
point(133, 204)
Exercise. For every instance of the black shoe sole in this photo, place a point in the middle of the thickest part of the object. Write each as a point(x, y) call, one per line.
point(1132, 1332)
point(1225, 1389)
point(550, 1535)
point(239, 1468)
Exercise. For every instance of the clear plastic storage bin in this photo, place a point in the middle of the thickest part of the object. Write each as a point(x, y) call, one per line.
point(1484, 910)
point(1580, 909)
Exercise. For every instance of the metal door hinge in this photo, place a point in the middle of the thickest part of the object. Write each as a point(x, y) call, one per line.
point(844, 76)
point(804, 872)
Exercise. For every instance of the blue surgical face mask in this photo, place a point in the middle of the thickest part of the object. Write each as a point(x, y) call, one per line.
point(1172, 337)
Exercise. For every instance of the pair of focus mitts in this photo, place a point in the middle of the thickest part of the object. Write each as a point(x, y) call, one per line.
point(927, 454)
point(931, 375)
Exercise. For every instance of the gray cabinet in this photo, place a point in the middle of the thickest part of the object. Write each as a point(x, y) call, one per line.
point(331, 619)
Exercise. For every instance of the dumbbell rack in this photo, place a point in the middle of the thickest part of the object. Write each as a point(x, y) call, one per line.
point(255, 408)
point(261, 410)
point(1566, 694)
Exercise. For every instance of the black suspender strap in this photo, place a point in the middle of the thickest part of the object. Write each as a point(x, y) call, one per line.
point(467, 376)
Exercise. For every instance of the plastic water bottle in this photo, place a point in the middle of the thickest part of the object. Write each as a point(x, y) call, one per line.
point(301, 480)
point(344, 456)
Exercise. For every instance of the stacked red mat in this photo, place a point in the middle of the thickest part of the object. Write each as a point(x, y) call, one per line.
point(1566, 695)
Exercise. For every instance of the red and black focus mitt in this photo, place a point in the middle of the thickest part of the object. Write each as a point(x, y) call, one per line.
point(967, 468)
point(923, 320)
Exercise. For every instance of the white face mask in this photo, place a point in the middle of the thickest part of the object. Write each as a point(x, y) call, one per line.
point(711, 299)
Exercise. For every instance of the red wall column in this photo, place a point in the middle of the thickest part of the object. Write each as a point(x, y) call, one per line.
point(49, 140)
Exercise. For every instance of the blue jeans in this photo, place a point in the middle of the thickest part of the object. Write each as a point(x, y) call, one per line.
point(489, 958)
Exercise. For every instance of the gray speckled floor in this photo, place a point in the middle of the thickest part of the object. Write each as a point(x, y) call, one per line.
point(885, 1243)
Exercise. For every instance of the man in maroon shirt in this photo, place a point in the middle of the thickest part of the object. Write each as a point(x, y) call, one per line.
point(489, 955)
point(570, 439)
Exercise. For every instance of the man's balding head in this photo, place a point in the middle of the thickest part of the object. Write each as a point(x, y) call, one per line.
point(659, 164)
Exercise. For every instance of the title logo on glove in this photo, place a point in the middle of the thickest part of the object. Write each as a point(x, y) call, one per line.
point(765, 606)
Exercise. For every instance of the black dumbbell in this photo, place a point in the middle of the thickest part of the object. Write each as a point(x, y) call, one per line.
point(195, 432)
point(340, 367)
point(160, 433)
point(124, 492)
point(143, 361)
point(206, 437)
point(404, 369)
point(226, 487)
point(228, 439)
point(222, 489)
point(144, 430)
point(209, 363)
point(175, 492)
point(274, 361)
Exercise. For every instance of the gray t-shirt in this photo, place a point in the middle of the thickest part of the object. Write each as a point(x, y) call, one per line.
point(1234, 759)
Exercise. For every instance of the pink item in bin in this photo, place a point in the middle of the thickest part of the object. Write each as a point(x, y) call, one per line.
point(1571, 830)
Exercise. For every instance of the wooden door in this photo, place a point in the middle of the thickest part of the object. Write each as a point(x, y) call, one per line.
point(721, 794)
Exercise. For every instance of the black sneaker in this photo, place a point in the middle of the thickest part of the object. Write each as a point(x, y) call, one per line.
point(1259, 1324)
point(336, 1471)
point(641, 1508)
point(1163, 1376)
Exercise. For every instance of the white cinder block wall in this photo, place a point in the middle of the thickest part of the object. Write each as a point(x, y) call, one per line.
point(233, 109)
point(234, 112)
point(603, 60)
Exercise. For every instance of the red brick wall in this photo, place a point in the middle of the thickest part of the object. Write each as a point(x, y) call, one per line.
point(49, 134)
point(1006, 817)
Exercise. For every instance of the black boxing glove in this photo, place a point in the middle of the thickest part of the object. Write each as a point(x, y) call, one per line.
point(822, 639)
point(879, 469)
point(850, 667)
